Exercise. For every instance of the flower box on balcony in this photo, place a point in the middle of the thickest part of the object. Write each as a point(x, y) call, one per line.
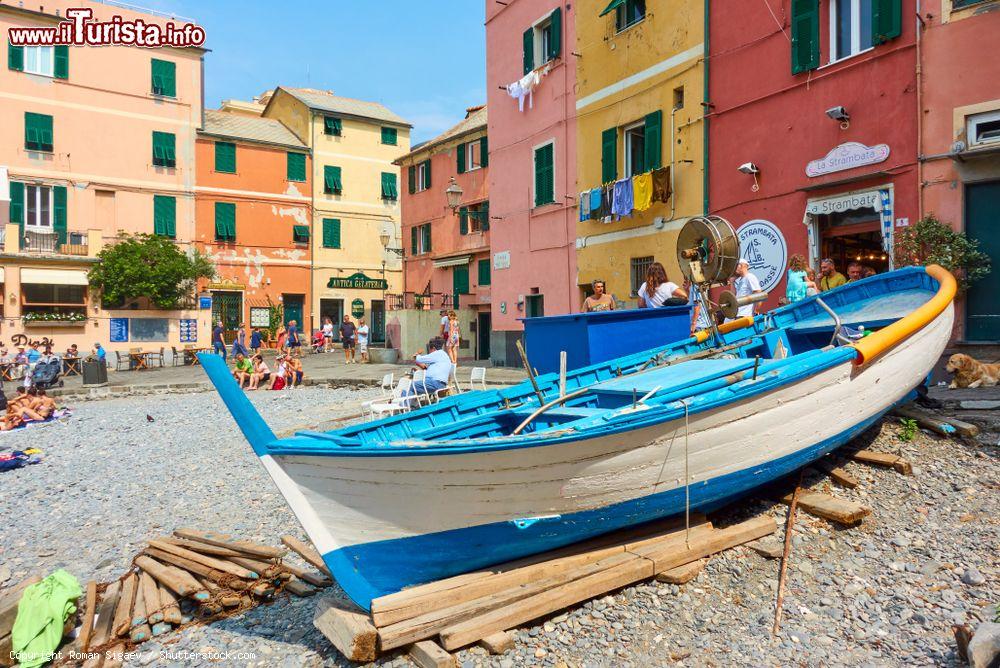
point(55, 323)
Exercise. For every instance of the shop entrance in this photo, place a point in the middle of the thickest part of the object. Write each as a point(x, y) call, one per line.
point(334, 310)
point(854, 235)
point(227, 308)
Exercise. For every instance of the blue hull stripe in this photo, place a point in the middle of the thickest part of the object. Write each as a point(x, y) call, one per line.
point(379, 568)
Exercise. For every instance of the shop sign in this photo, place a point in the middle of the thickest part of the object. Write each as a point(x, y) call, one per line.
point(501, 260)
point(205, 303)
point(119, 330)
point(848, 156)
point(189, 330)
point(864, 200)
point(358, 308)
point(358, 281)
point(225, 284)
point(763, 245)
point(260, 316)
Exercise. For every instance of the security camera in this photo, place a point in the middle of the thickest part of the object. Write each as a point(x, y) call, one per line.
point(749, 168)
point(838, 114)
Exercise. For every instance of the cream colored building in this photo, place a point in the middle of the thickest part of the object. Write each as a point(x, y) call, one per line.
point(355, 199)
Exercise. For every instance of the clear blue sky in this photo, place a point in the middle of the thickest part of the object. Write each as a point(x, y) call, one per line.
point(425, 60)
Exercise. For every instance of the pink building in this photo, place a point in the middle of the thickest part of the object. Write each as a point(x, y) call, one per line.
point(533, 154)
point(447, 250)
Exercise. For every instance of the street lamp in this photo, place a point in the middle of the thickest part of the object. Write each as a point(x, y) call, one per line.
point(385, 238)
point(454, 193)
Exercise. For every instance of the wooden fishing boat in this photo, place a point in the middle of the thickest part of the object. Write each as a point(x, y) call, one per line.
point(485, 477)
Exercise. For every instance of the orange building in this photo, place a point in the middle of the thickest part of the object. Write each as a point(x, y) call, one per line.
point(252, 217)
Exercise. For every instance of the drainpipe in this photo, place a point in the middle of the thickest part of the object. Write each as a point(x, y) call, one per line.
point(312, 220)
point(920, 117)
point(704, 112)
point(673, 163)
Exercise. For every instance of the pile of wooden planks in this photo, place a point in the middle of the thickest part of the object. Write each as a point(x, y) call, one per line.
point(480, 606)
point(191, 576)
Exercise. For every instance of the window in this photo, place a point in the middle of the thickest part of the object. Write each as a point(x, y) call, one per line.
point(420, 239)
point(332, 184)
point(389, 190)
point(165, 216)
point(474, 218)
point(635, 142)
point(473, 155)
point(37, 132)
point(164, 153)
point(149, 329)
point(300, 234)
point(983, 128)
point(333, 126)
point(389, 136)
point(543, 41)
point(959, 4)
point(331, 233)
point(52, 298)
point(40, 60)
point(423, 175)
point(49, 61)
point(483, 267)
point(534, 306)
point(642, 150)
point(38, 207)
point(850, 27)
point(225, 222)
point(638, 268)
point(225, 157)
point(295, 167)
point(629, 13)
point(544, 175)
point(679, 97)
point(164, 78)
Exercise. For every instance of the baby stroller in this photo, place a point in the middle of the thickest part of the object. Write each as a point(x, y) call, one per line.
point(46, 374)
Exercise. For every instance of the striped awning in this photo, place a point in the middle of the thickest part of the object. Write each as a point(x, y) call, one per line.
point(452, 261)
point(53, 276)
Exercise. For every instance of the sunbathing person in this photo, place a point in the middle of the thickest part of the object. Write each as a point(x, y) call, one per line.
point(22, 406)
point(45, 405)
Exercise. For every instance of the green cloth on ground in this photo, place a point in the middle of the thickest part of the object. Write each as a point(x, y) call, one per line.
point(41, 614)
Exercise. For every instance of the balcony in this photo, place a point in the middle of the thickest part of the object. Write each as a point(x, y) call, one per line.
point(432, 301)
point(46, 243)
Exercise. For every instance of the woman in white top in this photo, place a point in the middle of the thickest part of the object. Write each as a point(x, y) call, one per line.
point(657, 289)
point(327, 334)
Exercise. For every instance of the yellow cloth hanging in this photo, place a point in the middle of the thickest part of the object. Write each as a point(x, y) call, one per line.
point(642, 187)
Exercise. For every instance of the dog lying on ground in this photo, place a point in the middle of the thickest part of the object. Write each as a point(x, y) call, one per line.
point(971, 373)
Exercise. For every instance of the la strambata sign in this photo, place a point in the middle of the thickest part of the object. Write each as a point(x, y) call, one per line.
point(763, 246)
point(848, 156)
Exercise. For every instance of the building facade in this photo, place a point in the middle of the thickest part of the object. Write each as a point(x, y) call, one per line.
point(813, 129)
point(640, 88)
point(251, 223)
point(448, 262)
point(93, 142)
point(533, 185)
point(960, 147)
point(354, 196)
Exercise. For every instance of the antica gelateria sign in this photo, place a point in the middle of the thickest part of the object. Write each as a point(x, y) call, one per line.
point(848, 156)
point(358, 281)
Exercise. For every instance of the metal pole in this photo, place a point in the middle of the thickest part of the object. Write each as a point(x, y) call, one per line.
point(562, 373)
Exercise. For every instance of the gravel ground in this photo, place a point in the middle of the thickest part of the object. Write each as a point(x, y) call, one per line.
point(883, 593)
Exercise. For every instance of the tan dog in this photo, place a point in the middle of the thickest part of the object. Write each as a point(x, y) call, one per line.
point(971, 373)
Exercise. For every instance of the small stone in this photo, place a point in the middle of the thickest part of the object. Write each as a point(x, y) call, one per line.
point(972, 576)
point(901, 541)
point(540, 653)
point(769, 549)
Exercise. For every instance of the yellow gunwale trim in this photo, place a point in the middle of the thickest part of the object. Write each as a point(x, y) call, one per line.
point(881, 341)
point(702, 334)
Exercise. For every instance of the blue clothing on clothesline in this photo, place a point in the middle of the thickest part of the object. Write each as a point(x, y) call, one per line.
point(621, 203)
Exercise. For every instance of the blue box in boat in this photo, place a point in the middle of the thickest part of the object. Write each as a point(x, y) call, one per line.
point(590, 338)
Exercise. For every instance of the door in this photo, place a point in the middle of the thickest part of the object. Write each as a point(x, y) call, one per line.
point(534, 306)
point(293, 310)
point(483, 327)
point(982, 307)
point(334, 310)
point(227, 308)
point(378, 321)
point(459, 282)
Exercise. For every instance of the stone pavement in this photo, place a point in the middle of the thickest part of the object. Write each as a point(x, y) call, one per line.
point(326, 369)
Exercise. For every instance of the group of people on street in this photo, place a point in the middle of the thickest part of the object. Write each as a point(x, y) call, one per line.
point(802, 279)
point(353, 338)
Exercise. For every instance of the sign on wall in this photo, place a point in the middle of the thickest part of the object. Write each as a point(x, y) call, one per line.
point(204, 303)
point(358, 308)
point(763, 246)
point(260, 316)
point(848, 156)
point(189, 330)
point(119, 330)
point(501, 260)
point(358, 281)
point(869, 199)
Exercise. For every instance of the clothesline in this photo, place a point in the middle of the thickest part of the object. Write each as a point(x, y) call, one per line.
point(525, 86)
point(623, 197)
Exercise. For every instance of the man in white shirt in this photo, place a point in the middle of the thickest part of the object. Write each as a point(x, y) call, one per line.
point(438, 366)
point(746, 285)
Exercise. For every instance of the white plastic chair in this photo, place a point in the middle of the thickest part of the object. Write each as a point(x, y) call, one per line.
point(453, 386)
point(397, 402)
point(387, 382)
point(424, 397)
point(478, 376)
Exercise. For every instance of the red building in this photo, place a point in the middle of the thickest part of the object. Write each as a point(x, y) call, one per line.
point(813, 129)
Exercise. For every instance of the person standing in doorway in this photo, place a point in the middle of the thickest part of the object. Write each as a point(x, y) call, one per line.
point(363, 333)
point(746, 285)
point(347, 333)
point(600, 300)
point(218, 340)
point(829, 277)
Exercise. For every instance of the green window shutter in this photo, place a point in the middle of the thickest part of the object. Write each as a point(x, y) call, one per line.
point(37, 132)
point(529, 50)
point(484, 272)
point(332, 126)
point(484, 211)
point(225, 157)
point(300, 233)
point(555, 39)
point(17, 203)
point(805, 35)
point(295, 168)
point(60, 61)
point(460, 158)
point(59, 212)
point(414, 235)
point(615, 4)
point(389, 186)
point(411, 174)
point(165, 216)
point(15, 57)
point(427, 173)
point(484, 151)
point(225, 221)
point(544, 176)
point(164, 151)
point(164, 77)
point(389, 136)
point(463, 220)
point(460, 279)
point(425, 230)
point(887, 20)
point(331, 233)
point(332, 184)
point(609, 155)
point(653, 132)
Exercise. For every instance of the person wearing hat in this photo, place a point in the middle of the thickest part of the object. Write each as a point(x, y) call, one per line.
point(746, 284)
point(100, 353)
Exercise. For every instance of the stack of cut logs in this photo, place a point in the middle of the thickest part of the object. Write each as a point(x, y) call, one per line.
point(192, 576)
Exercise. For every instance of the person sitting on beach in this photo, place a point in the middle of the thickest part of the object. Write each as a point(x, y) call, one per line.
point(243, 370)
point(278, 378)
point(295, 372)
point(658, 288)
point(22, 405)
point(438, 365)
point(261, 372)
point(41, 403)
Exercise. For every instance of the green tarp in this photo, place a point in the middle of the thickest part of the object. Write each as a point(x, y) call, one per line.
point(44, 608)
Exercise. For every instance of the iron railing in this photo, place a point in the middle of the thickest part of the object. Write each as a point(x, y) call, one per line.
point(49, 244)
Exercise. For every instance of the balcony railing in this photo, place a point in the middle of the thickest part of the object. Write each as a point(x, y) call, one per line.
point(419, 301)
point(48, 243)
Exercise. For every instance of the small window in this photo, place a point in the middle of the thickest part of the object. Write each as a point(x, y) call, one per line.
point(473, 155)
point(679, 97)
point(635, 148)
point(389, 136)
point(331, 233)
point(164, 149)
point(295, 168)
point(850, 27)
point(38, 132)
point(164, 78)
point(638, 268)
point(225, 157)
point(629, 13)
point(423, 176)
point(544, 32)
point(38, 207)
point(389, 190)
point(534, 306)
point(332, 126)
point(420, 239)
point(474, 218)
point(984, 128)
point(332, 184)
point(544, 175)
point(40, 60)
point(300, 234)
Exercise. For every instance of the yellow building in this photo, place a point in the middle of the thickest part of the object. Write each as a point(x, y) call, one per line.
point(640, 83)
point(355, 199)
